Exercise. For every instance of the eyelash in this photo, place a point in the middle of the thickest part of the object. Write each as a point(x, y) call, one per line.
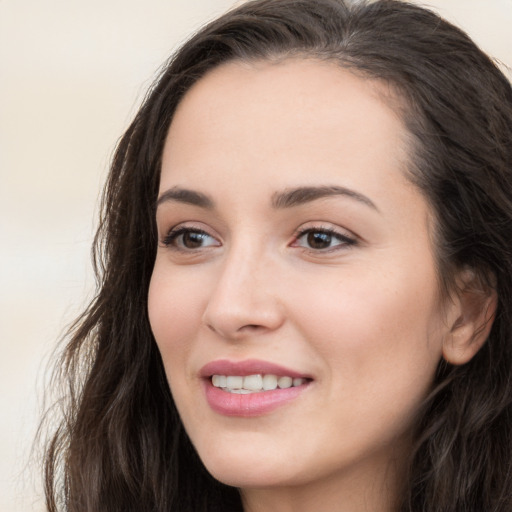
point(171, 239)
point(345, 241)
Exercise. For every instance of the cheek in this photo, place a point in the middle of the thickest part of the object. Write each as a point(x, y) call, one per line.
point(375, 325)
point(381, 345)
point(175, 310)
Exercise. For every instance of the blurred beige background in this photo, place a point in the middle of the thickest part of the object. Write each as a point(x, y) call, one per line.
point(71, 76)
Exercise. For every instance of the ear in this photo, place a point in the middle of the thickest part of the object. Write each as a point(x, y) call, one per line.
point(470, 317)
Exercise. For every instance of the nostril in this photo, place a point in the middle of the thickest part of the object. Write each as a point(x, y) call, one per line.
point(243, 329)
point(251, 327)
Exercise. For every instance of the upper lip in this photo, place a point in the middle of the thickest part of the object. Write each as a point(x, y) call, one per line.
point(247, 367)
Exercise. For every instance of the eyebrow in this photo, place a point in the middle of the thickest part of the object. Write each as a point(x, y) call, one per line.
point(301, 195)
point(183, 195)
point(286, 199)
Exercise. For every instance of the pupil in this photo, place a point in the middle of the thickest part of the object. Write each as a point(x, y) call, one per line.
point(192, 240)
point(318, 240)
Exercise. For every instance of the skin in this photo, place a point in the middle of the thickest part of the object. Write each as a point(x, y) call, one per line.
point(363, 319)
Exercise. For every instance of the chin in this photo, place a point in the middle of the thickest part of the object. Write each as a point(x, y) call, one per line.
point(245, 469)
point(244, 478)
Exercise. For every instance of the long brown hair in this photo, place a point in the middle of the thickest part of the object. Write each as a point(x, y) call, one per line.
point(121, 445)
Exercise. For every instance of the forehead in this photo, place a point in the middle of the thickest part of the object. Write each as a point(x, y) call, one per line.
point(293, 93)
point(300, 119)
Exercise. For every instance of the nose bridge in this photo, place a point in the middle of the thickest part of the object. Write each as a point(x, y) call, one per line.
point(240, 267)
point(242, 298)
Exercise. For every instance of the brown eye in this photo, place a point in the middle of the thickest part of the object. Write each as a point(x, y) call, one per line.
point(323, 240)
point(319, 240)
point(192, 239)
point(187, 239)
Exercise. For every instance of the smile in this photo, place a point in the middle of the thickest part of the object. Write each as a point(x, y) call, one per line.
point(251, 387)
point(254, 383)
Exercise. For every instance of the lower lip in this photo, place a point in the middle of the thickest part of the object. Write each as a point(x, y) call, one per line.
point(251, 404)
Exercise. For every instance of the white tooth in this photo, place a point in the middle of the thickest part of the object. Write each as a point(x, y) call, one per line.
point(285, 382)
point(233, 382)
point(257, 382)
point(253, 382)
point(269, 382)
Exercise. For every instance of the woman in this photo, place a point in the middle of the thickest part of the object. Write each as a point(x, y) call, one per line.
point(305, 276)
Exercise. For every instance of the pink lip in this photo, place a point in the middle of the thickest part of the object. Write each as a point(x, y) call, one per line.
point(253, 404)
point(247, 367)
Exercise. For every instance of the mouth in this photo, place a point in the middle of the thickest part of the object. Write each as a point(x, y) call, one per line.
point(251, 388)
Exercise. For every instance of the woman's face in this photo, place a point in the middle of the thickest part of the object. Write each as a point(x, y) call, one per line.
point(292, 249)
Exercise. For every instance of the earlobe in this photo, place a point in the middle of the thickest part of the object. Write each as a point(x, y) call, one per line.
point(472, 314)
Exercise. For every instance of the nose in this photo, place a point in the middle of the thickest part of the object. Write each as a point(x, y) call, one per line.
point(244, 300)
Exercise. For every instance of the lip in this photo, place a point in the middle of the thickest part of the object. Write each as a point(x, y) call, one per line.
point(253, 404)
point(247, 367)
